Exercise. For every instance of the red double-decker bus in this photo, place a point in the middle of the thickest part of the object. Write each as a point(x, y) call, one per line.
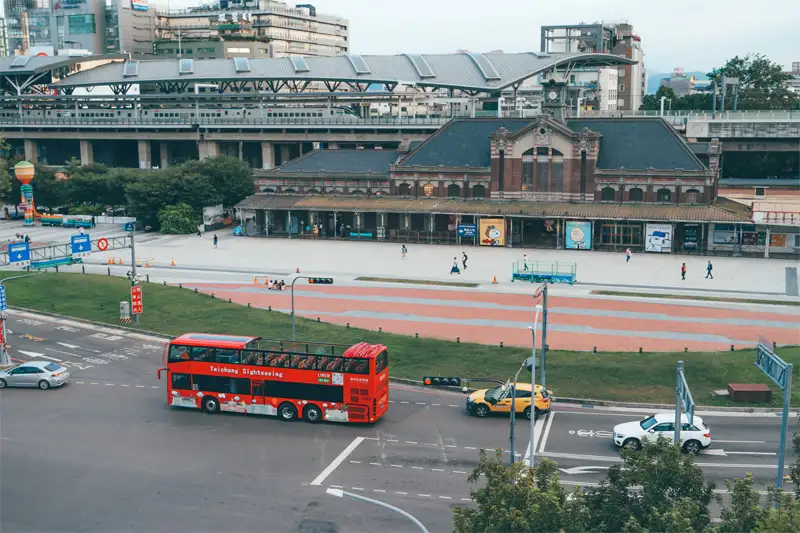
point(290, 380)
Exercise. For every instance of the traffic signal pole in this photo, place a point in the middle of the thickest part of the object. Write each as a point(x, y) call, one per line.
point(322, 280)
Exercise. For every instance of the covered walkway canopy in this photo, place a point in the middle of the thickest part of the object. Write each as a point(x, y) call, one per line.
point(32, 74)
point(470, 72)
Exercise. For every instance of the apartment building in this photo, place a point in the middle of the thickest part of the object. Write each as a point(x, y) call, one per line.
point(250, 28)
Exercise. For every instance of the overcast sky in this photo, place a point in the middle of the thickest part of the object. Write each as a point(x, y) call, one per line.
point(694, 34)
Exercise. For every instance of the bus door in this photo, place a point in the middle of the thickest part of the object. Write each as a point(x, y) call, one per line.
point(258, 404)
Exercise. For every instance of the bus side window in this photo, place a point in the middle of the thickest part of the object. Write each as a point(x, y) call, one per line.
point(181, 381)
point(307, 362)
point(178, 354)
point(252, 358)
point(381, 362)
point(357, 366)
point(201, 353)
point(224, 355)
point(330, 364)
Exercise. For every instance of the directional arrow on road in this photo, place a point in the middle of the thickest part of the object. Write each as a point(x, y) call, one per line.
point(67, 328)
point(37, 355)
point(583, 469)
point(75, 346)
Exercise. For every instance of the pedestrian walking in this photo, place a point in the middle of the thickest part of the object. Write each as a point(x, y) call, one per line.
point(709, 268)
point(627, 255)
point(683, 271)
point(81, 230)
point(215, 240)
point(464, 260)
point(404, 251)
point(198, 233)
point(455, 269)
point(524, 261)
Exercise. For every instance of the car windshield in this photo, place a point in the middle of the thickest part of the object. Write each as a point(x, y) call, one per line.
point(494, 394)
point(648, 422)
point(52, 367)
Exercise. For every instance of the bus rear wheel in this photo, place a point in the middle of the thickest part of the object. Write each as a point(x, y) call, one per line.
point(210, 405)
point(287, 412)
point(312, 414)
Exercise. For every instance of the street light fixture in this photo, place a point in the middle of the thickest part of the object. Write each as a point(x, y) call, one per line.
point(529, 362)
point(339, 493)
point(533, 385)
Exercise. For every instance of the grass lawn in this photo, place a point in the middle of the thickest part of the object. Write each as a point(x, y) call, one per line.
point(647, 377)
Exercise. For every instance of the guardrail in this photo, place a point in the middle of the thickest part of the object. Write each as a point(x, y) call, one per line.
point(194, 121)
point(696, 115)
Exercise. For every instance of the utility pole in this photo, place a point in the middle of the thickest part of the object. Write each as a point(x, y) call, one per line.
point(133, 267)
point(544, 336)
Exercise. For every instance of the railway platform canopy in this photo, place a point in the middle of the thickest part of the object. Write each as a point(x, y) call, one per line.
point(33, 74)
point(469, 72)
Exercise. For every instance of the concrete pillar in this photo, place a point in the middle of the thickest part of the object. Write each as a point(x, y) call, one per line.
point(241, 150)
point(145, 155)
point(31, 151)
point(267, 156)
point(285, 153)
point(87, 152)
point(208, 149)
point(166, 156)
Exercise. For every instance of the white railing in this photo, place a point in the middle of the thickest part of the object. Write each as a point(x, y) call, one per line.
point(113, 220)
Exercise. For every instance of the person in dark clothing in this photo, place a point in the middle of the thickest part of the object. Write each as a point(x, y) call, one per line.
point(709, 267)
point(464, 260)
point(215, 240)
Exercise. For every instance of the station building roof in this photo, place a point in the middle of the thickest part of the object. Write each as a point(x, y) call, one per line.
point(346, 161)
point(468, 71)
point(27, 65)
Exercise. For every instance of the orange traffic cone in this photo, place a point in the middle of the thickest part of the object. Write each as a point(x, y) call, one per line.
point(266, 280)
point(110, 261)
point(173, 262)
point(494, 281)
point(147, 264)
point(120, 261)
point(255, 280)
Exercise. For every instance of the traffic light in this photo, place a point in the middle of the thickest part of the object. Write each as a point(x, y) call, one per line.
point(441, 382)
point(321, 281)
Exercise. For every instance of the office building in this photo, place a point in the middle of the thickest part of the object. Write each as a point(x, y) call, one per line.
point(250, 28)
point(48, 26)
point(130, 27)
point(793, 83)
point(590, 85)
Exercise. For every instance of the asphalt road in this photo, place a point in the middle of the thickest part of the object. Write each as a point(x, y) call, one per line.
point(106, 453)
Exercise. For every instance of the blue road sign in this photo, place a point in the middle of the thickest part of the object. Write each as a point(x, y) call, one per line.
point(3, 304)
point(19, 254)
point(81, 245)
point(467, 230)
point(128, 226)
point(772, 365)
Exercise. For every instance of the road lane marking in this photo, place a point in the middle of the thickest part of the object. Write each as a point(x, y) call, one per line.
point(459, 472)
point(617, 411)
point(378, 490)
point(374, 464)
point(451, 405)
point(608, 459)
point(403, 493)
point(337, 461)
point(355, 462)
point(80, 382)
point(396, 466)
point(154, 386)
point(93, 383)
point(438, 469)
point(470, 448)
point(450, 446)
point(445, 497)
point(466, 499)
point(392, 440)
point(550, 418)
point(749, 453)
point(537, 430)
point(124, 385)
point(139, 386)
point(109, 384)
point(411, 442)
point(740, 441)
point(436, 404)
point(420, 403)
point(417, 468)
point(337, 487)
point(424, 495)
point(75, 346)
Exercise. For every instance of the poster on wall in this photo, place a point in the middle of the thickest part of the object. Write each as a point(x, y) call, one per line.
point(691, 236)
point(139, 5)
point(578, 235)
point(492, 232)
point(778, 240)
point(659, 238)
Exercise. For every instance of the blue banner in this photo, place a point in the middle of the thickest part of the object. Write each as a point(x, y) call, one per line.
point(467, 230)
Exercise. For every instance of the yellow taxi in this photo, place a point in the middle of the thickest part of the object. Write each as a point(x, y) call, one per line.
point(482, 403)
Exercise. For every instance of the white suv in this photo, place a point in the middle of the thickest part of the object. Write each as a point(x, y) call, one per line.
point(694, 437)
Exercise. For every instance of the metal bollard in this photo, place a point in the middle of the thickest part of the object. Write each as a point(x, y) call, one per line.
point(416, 335)
point(640, 349)
point(348, 325)
point(195, 291)
point(458, 340)
point(731, 347)
point(109, 271)
point(147, 278)
point(594, 349)
point(501, 344)
point(380, 329)
point(318, 320)
point(165, 283)
point(83, 269)
point(212, 296)
point(180, 285)
point(248, 305)
point(230, 301)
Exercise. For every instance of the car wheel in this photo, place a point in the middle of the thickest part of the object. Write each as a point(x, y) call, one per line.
point(3, 384)
point(44, 384)
point(287, 412)
point(527, 413)
point(210, 405)
point(481, 411)
point(312, 414)
point(691, 446)
point(632, 444)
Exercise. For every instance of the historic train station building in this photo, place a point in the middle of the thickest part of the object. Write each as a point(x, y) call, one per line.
point(608, 183)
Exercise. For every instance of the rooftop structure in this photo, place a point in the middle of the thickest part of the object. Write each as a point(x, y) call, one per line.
point(31, 74)
point(472, 73)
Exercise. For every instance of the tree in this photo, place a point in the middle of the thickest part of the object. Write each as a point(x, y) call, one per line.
point(231, 178)
point(744, 511)
point(5, 174)
point(155, 190)
point(762, 83)
point(671, 495)
point(178, 219)
point(652, 102)
point(513, 500)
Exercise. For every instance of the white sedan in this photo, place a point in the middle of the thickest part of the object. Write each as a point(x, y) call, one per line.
point(694, 437)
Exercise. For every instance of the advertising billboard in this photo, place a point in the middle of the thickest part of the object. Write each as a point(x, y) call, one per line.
point(578, 235)
point(492, 232)
point(139, 5)
point(658, 238)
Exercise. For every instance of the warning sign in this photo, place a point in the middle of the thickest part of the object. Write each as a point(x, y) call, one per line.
point(137, 306)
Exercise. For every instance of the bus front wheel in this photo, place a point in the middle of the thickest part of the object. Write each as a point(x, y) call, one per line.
point(210, 405)
point(287, 412)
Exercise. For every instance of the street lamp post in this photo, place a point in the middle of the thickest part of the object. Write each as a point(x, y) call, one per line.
point(531, 361)
point(533, 386)
point(339, 493)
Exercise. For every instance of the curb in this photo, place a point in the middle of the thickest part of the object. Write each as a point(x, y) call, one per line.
point(582, 402)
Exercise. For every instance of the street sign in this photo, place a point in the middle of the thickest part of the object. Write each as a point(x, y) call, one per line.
point(19, 254)
point(3, 303)
point(137, 305)
point(128, 226)
point(466, 230)
point(102, 245)
point(81, 245)
point(772, 365)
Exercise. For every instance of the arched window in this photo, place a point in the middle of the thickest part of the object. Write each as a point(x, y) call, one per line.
point(664, 195)
point(267, 189)
point(453, 191)
point(289, 191)
point(356, 192)
point(478, 191)
point(313, 190)
point(608, 194)
point(636, 195)
point(404, 189)
point(692, 196)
